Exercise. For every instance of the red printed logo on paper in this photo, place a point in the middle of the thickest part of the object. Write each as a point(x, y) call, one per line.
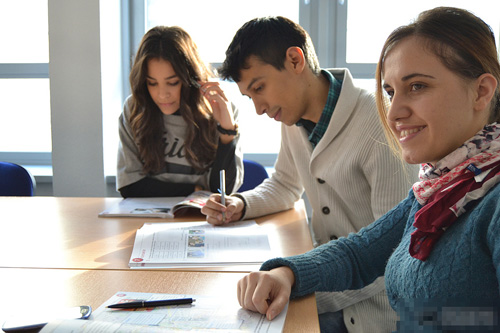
point(137, 259)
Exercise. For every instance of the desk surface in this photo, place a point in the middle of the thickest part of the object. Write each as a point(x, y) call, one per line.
point(58, 250)
point(52, 232)
point(67, 288)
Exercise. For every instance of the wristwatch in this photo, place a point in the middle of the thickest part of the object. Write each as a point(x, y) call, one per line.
point(226, 131)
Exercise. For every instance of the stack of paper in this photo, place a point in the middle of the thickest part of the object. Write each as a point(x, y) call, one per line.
point(194, 244)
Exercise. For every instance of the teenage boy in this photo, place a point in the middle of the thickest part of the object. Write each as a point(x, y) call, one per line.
point(332, 146)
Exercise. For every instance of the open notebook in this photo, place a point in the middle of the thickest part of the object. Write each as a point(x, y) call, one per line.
point(162, 207)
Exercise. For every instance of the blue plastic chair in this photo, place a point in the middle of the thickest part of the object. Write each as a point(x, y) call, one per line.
point(254, 174)
point(16, 180)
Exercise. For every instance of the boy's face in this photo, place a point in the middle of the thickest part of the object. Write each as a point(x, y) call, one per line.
point(279, 94)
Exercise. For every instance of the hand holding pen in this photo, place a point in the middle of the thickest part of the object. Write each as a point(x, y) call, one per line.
point(232, 209)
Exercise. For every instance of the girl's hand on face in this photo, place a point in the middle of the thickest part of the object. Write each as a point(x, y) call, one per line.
point(221, 106)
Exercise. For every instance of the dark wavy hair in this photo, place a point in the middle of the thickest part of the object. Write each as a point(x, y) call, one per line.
point(463, 42)
point(174, 45)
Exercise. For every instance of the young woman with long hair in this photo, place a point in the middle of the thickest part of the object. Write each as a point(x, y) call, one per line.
point(177, 129)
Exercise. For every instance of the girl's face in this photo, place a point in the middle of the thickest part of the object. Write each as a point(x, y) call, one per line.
point(432, 109)
point(164, 85)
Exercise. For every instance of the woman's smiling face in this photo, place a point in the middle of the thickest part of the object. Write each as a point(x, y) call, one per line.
point(432, 109)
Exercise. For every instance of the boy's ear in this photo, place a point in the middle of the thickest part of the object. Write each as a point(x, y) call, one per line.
point(295, 58)
point(486, 86)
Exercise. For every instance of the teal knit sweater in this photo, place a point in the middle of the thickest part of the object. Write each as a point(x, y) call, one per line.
point(463, 268)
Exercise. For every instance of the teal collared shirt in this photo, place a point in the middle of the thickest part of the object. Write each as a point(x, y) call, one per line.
point(316, 131)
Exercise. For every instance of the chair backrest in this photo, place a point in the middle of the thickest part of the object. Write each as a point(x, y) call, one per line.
point(15, 180)
point(254, 174)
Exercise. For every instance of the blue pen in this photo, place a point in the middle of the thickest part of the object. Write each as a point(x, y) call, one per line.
point(222, 191)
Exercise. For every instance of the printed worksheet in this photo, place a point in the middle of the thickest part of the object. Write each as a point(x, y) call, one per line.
point(160, 245)
point(205, 314)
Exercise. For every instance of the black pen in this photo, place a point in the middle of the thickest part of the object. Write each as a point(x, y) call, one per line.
point(146, 304)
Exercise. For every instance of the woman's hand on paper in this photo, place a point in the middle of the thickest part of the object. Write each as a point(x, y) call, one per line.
point(266, 292)
point(213, 209)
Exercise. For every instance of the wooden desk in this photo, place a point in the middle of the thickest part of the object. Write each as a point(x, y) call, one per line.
point(52, 232)
point(58, 250)
point(65, 287)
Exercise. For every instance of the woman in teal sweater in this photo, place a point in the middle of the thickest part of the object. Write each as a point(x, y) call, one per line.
point(439, 249)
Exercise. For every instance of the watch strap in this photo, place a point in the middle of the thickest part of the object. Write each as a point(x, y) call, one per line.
point(226, 131)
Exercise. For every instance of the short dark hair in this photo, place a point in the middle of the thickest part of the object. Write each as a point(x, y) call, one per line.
point(267, 38)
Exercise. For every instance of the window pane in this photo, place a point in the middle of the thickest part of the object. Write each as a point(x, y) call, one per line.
point(212, 26)
point(25, 113)
point(368, 84)
point(370, 22)
point(24, 29)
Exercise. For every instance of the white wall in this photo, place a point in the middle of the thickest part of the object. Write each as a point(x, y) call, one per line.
point(75, 94)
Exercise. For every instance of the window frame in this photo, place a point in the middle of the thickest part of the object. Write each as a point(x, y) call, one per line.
point(314, 15)
point(25, 71)
point(358, 70)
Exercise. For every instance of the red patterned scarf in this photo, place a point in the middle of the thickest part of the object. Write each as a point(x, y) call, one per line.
point(453, 186)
